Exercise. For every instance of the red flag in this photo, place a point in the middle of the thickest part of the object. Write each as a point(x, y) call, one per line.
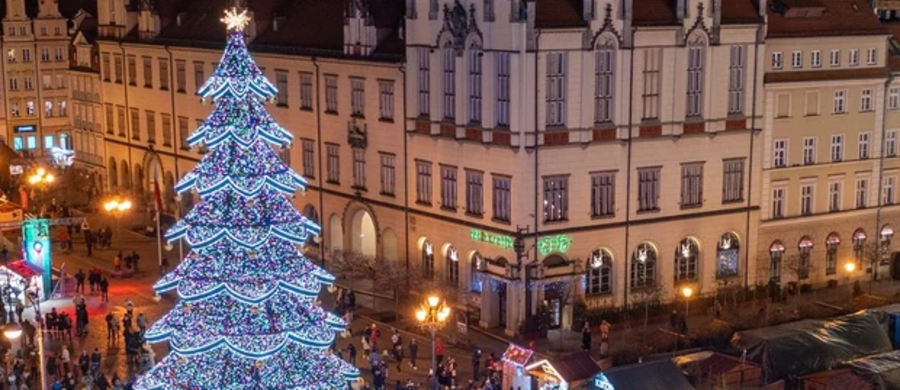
point(156, 196)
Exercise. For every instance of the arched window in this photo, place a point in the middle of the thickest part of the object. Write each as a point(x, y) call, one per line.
point(805, 247)
point(476, 266)
point(887, 232)
point(728, 254)
point(859, 245)
point(686, 256)
point(599, 273)
point(452, 260)
point(643, 266)
point(831, 252)
point(427, 259)
point(776, 251)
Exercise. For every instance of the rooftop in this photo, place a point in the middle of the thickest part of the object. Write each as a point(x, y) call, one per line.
point(821, 18)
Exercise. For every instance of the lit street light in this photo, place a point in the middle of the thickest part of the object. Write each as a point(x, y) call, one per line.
point(40, 179)
point(117, 207)
point(850, 267)
point(432, 315)
point(687, 292)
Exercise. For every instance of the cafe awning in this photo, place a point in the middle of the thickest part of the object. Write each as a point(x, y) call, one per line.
point(569, 369)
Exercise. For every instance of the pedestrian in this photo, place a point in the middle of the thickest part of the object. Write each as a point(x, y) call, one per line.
point(135, 258)
point(101, 382)
point(476, 365)
point(51, 366)
point(413, 352)
point(141, 323)
point(366, 346)
point(604, 338)
point(20, 308)
point(95, 362)
point(79, 281)
point(351, 354)
point(89, 242)
point(164, 266)
point(104, 289)
point(439, 350)
point(65, 360)
point(586, 337)
point(112, 328)
point(84, 363)
point(129, 306)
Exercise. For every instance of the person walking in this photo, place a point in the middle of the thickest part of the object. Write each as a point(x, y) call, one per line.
point(586, 337)
point(104, 290)
point(95, 362)
point(164, 266)
point(79, 281)
point(112, 328)
point(413, 352)
point(141, 323)
point(65, 360)
point(351, 354)
point(439, 350)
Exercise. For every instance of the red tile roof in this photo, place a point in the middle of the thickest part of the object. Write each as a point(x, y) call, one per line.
point(740, 12)
point(654, 13)
point(823, 18)
point(843, 74)
point(559, 13)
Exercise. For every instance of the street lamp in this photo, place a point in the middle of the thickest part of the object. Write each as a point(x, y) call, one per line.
point(432, 315)
point(117, 207)
point(41, 178)
point(687, 292)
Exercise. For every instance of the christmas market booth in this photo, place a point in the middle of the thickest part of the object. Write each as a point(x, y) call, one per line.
point(658, 374)
point(709, 369)
point(514, 361)
point(22, 276)
point(565, 373)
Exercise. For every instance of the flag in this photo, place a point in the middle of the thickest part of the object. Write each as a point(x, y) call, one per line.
point(156, 195)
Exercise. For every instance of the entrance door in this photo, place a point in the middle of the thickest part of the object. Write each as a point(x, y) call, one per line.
point(895, 266)
point(554, 305)
point(502, 295)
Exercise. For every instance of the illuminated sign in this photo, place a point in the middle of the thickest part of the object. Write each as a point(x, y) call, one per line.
point(25, 129)
point(601, 382)
point(36, 247)
point(557, 243)
point(505, 242)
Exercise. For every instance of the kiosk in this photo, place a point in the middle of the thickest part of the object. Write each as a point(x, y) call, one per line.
point(514, 361)
point(566, 373)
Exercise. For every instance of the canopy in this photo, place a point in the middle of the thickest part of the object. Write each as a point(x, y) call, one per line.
point(657, 374)
point(24, 269)
point(883, 370)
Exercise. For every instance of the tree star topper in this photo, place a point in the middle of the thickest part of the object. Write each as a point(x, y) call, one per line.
point(235, 20)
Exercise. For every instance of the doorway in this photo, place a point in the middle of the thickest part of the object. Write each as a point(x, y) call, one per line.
point(363, 233)
point(501, 294)
point(553, 300)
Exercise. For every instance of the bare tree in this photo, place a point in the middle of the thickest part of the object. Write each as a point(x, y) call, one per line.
point(349, 266)
point(566, 293)
point(800, 267)
point(647, 294)
point(873, 253)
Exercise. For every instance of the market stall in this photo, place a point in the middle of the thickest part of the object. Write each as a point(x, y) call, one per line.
point(565, 373)
point(18, 279)
point(514, 361)
point(658, 374)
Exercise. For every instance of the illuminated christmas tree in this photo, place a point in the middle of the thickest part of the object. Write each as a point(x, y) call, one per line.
point(246, 316)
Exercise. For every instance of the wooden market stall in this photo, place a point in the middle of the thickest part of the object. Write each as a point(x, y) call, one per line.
point(567, 372)
point(514, 361)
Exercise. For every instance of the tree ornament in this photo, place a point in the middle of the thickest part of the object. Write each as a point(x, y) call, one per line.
point(178, 197)
point(251, 203)
point(181, 360)
point(169, 247)
point(260, 364)
point(254, 309)
point(194, 255)
point(252, 255)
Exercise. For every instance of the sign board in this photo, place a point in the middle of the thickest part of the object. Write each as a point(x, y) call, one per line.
point(501, 241)
point(16, 170)
point(25, 129)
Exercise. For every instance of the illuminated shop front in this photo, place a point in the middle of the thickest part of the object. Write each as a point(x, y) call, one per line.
point(24, 278)
point(514, 374)
point(565, 373)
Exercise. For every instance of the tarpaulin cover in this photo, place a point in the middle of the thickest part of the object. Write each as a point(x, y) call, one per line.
point(882, 370)
point(658, 374)
point(808, 346)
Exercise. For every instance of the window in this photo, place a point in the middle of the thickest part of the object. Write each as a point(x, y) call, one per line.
point(489, 11)
point(135, 124)
point(333, 163)
point(110, 124)
point(331, 94)
point(448, 188)
point(865, 100)
point(29, 108)
point(686, 256)
point(56, 31)
point(122, 124)
point(428, 260)
point(199, 79)
point(643, 267)
point(780, 157)
point(854, 57)
point(284, 153)
point(890, 143)
point(837, 148)
point(603, 84)
point(809, 150)
point(889, 183)
point(148, 72)
point(386, 100)
point(388, 178)
point(728, 256)
point(132, 70)
point(180, 78)
point(11, 57)
point(648, 189)
point(839, 102)
point(691, 185)
point(167, 129)
point(863, 145)
point(651, 74)
point(14, 108)
point(777, 60)
point(359, 169)
point(603, 194)
point(859, 245)
point(556, 199)
point(62, 107)
point(736, 81)
point(452, 266)
point(802, 266)
point(423, 182)
point(816, 58)
point(29, 83)
point(502, 198)
point(43, 30)
point(60, 80)
point(599, 275)
point(834, 196)
point(309, 158)
point(26, 55)
point(164, 74)
point(47, 81)
point(778, 203)
point(797, 59)
point(503, 89)
point(475, 86)
point(556, 89)
point(48, 108)
point(474, 193)
point(733, 181)
point(118, 70)
point(357, 97)
point(306, 91)
point(281, 82)
point(835, 57)
point(424, 81)
point(17, 143)
point(831, 253)
point(31, 142)
point(449, 83)
point(48, 141)
point(812, 103)
point(151, 127)
point(783, 105)
point(45, 54)
point(893, 98)
point(862, 186)
point(806, 199)
point(872, 56)
point(183, 132)
point(59, 54)
point(13, 84)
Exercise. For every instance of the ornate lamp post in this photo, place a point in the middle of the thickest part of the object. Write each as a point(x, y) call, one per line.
point(432, 315)
point(40, 179)
point(117, 207)
point(687, 292)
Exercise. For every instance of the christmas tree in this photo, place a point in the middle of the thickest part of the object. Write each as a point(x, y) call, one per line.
point(247, 316)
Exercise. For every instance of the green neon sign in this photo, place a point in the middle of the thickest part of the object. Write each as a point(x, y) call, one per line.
point(557, 243)
point(505, 242)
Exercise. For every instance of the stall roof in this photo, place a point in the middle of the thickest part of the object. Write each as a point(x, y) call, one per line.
point(883, 369)
point(571, 368)
point(517, 355)
point(658, 374)
point(25, 269)
point(838, 379)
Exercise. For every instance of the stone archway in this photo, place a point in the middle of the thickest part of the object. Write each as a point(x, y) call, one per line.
point(335, 233)
point(113, 174)
point(126, 175)
point(363, 236)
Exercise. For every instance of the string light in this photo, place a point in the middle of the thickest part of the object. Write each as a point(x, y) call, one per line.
point(248, 316)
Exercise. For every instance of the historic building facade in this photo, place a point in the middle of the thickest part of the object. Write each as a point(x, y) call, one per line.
point(829, 164)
